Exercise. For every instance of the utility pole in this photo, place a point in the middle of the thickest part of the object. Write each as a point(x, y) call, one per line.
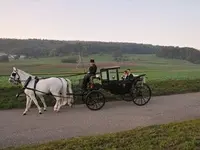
point(80, 57)
point(79, 60)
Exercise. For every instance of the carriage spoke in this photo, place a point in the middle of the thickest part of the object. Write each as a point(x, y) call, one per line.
point(95, 100)
point(143, 93)
point(139, 100)
point(94, 104)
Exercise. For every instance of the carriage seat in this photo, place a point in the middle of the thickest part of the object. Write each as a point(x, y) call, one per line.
point(94, 77)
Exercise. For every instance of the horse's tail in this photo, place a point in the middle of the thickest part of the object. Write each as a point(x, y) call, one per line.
point(64, 92)
point(69, 90)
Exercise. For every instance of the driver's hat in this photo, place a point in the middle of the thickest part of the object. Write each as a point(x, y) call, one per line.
point(92, 60)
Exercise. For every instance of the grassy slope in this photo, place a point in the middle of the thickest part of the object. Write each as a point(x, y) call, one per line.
point(182, 135)
point(8, 100)
point(155, 67)
point(185, 76)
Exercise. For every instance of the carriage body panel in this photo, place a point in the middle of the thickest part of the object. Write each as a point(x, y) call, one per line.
point(110, 81)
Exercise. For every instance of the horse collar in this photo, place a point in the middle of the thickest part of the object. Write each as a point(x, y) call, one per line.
point(27, 82)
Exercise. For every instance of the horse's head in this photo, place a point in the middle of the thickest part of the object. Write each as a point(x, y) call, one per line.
point(14, 77)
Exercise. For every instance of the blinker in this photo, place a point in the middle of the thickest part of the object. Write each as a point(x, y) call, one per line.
point(13, 74)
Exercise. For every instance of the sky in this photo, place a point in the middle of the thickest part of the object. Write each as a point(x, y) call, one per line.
point(157, 22)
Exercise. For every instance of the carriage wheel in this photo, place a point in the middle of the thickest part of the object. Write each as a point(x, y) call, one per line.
point(141, 94)
point(84, 94)
point(95, 100)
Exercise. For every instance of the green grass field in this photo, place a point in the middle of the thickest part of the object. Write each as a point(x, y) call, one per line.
point(156, 68)
point(180, 136)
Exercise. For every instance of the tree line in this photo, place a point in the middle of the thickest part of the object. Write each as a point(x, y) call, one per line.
point(50, 48)
point(186, 53)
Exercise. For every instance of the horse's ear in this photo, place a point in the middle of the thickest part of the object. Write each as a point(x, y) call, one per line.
point(14, 69)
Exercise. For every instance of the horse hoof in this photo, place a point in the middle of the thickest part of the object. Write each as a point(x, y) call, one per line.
point(40, 113)
point(45, 110)
point(24, 114)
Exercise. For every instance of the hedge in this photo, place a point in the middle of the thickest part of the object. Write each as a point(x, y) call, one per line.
point(69, 60)
point(8, 100)
point(181, 135)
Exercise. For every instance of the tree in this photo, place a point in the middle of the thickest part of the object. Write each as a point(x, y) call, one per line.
point(16, 57)
point(117, 55)
point(4, 58)
point(190, 54)
point(44, 48)
point(53, 53)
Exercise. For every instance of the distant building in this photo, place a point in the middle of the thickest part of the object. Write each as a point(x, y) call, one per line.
point(22, 57)
point(12, 56)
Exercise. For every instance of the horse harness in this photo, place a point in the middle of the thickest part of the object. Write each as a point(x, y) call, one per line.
point(35, 83)
point(26, 84)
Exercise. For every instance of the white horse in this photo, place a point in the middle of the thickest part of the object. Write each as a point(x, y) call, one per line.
point(58, 87)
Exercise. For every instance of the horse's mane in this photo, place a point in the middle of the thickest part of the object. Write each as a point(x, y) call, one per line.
point(24, 73)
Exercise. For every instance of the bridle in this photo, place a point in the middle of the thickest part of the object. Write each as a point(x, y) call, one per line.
point(13, 76)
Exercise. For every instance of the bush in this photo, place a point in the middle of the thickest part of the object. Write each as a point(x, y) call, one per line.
point(174, 86)
point(182, 135)
point(69, 60)
point(8, 100)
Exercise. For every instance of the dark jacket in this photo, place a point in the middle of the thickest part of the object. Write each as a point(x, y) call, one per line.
point(130, 77)
point(92, 69)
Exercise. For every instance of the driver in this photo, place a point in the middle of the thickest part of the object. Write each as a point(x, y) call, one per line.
point(91, 72)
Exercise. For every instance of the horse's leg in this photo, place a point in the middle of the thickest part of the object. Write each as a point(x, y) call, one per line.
point(70, 101)
point(29, 105)
point(58, 104)
point(28, 99)
point(36, 103)
point(43, 102)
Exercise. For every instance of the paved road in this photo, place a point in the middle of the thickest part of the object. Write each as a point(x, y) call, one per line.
point(16, 129)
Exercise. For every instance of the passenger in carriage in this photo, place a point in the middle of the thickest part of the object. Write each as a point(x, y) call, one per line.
point(124, 76)
point(129, 75)
point(91, 72)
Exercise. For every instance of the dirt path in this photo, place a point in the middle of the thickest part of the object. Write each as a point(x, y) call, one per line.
point(16, 129)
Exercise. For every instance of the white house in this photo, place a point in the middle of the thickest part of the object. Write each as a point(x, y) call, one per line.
point(12, 56)
point(22, 57)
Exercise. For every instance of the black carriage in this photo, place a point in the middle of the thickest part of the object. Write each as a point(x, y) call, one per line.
point(135, 90)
